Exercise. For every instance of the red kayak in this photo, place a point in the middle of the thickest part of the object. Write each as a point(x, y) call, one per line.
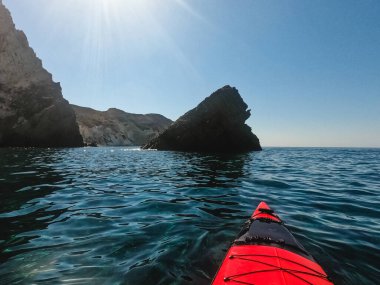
point(266, 253)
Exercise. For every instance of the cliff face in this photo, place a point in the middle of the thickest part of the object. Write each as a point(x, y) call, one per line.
point(217, 124)
point(118, 128)
point(32, 109)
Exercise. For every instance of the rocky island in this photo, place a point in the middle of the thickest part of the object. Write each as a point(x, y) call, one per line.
point(217, 124)
point(33, 111)
point(115, 127)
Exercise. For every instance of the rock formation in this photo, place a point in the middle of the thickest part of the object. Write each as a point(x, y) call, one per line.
point(216, 125)
point(118, 128)
point(32, 109)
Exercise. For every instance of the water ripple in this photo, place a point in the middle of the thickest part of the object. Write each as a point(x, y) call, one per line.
point(125, 216)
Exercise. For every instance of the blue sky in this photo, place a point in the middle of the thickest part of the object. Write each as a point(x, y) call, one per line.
point(310, 70)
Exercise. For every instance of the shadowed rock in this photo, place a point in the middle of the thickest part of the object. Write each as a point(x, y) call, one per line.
point(216, 125)
point(115, 127)
point(33, 111)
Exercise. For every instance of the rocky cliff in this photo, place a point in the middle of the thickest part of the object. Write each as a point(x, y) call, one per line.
point(32, 109)
point(118, 128)
point(217, 124)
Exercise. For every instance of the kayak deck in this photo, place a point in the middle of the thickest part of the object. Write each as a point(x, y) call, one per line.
point(266, 253)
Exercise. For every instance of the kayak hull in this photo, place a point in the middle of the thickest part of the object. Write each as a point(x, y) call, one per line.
point(267, 265)
point(266, 253)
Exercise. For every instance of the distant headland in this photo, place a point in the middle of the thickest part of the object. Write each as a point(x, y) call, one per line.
point(115, 127)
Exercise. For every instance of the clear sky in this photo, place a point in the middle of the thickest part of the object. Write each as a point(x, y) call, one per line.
point(310, 70)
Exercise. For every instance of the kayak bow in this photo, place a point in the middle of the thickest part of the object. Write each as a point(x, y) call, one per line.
point(266, 253)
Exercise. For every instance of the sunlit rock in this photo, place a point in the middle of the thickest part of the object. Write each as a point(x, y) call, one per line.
point(117, 128)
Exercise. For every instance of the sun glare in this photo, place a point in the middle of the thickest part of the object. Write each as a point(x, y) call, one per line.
point(108, 25)
point(113, 31)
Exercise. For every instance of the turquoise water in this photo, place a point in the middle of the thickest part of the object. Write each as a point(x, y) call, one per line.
point(125, 216)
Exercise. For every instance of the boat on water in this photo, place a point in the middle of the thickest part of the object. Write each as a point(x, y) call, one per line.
point(266, 253)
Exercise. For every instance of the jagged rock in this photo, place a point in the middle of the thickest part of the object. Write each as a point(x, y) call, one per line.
point(117, 128)
point(32, 109)
point(216, 125)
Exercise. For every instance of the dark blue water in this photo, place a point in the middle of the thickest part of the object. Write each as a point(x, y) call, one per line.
point(124, 216)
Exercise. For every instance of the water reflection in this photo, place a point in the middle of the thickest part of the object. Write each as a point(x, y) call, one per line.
point(212, 170)
point(26, 178)
point(21, 173)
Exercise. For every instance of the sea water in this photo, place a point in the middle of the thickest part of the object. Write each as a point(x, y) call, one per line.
point(130, 216)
